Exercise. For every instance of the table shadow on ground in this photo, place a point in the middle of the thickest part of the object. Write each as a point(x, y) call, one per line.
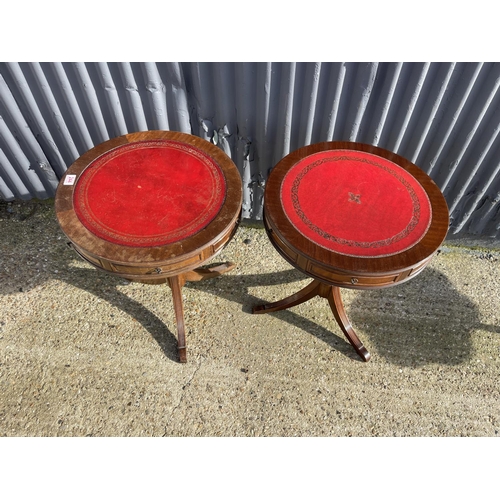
point(105, 288)
point(99, 284)
point(237, 288)
point(423, 321)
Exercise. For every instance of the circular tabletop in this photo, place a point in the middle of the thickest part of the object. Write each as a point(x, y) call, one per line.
point(355, 208)
point(149, 193)
point(149, 196)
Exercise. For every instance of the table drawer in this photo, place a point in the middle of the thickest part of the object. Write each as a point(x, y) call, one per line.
point(351, 280)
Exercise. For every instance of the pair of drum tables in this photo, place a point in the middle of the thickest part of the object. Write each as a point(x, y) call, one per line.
point(154, 207)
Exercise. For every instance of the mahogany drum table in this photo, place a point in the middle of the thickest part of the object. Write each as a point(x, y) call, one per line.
point(152, 207)
point(351, 215)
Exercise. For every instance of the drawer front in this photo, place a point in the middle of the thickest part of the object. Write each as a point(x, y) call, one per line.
point(336, 278)
point(351, 280)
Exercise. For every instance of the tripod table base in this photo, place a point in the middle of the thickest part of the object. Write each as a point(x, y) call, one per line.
point(330, 292)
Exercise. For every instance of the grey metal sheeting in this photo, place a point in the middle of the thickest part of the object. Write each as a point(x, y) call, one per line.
point(442, 116)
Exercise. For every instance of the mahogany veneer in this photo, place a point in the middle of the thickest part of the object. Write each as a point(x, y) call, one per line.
point(351, 215)
point(152, 207)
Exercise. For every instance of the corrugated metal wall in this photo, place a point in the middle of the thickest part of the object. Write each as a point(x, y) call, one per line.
point(442, 116)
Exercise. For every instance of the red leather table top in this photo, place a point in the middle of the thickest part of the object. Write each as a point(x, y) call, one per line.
point(355, 203)
point(149, 193)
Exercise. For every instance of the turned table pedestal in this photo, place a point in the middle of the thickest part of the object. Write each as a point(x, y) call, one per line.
point(152, 207)
point(351, 215)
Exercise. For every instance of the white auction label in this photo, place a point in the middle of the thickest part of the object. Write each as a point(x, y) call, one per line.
point(70, 180)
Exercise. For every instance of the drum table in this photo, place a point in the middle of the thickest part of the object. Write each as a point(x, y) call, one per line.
point(152, 207)
point(351, 215)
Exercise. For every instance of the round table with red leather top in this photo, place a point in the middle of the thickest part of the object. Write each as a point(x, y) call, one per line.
point(351, 215)
point(152, 207)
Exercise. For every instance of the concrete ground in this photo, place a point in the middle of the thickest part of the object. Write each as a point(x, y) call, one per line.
point(87, 354)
